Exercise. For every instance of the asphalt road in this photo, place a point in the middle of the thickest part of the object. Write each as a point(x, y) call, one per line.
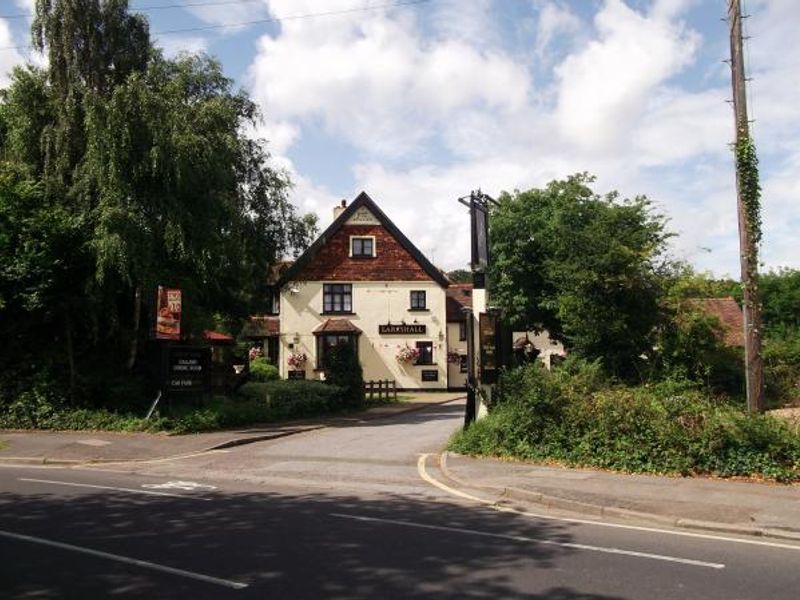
point(339, 513)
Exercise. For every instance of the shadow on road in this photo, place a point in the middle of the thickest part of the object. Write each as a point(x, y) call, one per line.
point(283, 546)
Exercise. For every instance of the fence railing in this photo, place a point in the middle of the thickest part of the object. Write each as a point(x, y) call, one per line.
point(383, 388)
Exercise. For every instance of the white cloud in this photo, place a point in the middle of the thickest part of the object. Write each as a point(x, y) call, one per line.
point(371, 79)
point(603, 87)
point(9, 56)
point(614, 104)
point(173, 45)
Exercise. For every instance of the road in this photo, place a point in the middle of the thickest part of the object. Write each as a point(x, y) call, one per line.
point(341, 512)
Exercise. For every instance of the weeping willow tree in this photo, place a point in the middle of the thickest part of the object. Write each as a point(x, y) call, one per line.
point(146, 158)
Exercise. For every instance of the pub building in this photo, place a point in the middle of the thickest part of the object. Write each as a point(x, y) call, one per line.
point(363, 283)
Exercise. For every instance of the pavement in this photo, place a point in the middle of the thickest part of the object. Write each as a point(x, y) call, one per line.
point(81, 447)
point(752, 508)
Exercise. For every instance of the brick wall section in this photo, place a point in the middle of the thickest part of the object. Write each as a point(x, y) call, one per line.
point(392, 261)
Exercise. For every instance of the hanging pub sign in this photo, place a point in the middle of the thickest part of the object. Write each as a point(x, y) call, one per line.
point(487, 331)
point(187, 368)
point(402, 329)
point(168, 314)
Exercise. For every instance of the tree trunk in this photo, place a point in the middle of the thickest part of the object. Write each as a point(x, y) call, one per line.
point(137, 316)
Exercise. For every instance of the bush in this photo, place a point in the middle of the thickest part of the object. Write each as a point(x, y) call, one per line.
point(671, 427)
point(295, 399)
point(262, 370)
point(344, 371)
point(782, 366)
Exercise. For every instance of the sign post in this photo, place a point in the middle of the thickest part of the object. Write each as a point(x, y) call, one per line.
point(484, 335)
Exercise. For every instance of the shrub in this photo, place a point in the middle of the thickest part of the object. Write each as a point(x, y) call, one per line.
point(294, 399)
point(671, 427)
point(782, 366)
point(262, 370)
point(344, 371)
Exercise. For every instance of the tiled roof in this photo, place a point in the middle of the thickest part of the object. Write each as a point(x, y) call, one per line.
point(336, 326)
point(729, 315)
point(216, 336)
point(261, 327)
point(459, 295)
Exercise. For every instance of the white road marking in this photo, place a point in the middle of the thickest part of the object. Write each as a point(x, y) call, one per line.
point(179, 485)
point(115, 489)
point(423, 473)
point(124, 559)
point(520, 538)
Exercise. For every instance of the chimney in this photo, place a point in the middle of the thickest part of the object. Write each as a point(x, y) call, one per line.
point(337, 210)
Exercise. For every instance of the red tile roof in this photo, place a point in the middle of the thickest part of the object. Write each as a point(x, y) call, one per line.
point(217, 337)
point(729, 315)
point(336, 326)
point(261, 327)
point(459, 295)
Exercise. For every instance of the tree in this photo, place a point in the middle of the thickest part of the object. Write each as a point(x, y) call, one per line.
point(586, 268)
point(460, 276)
point(145, 160)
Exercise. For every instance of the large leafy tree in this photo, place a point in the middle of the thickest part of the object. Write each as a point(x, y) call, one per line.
point(585, 267)
point(144, 165)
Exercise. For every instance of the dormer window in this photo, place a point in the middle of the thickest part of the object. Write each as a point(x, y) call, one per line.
point(362, 247)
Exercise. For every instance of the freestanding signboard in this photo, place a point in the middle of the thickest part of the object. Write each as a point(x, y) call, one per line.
point(487, 329)
point(187, 369)
point(168, 314)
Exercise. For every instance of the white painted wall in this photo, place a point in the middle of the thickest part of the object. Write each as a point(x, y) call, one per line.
point(457, 379)
point(374, 303)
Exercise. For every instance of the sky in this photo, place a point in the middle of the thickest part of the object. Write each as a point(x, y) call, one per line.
point(418, 103)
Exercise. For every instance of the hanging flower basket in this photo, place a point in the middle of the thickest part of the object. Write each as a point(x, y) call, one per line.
point(297, 360)
point(255, 352)
point(406, 354)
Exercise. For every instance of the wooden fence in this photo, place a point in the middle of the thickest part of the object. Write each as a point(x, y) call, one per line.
point(384, 388)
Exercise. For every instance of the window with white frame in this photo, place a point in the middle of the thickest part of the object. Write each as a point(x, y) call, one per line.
point(362, 247)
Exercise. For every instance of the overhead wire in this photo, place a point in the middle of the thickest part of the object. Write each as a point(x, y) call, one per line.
point(264, 21)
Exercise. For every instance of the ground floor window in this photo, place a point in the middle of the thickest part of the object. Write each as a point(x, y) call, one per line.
point(425, 353)
point(328, 341)
point(462, 364)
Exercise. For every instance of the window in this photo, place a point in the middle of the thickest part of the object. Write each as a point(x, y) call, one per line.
point(418, 300)
point(337, 298)
point(425, 350)
point(329, 341)
point(362, 246)
point(462, 331)
point(462, 364)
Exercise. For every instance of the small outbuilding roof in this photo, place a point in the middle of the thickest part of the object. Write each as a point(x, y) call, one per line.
point(459, 296)
point(729, 315)
point(261, 327)
point(336, 326)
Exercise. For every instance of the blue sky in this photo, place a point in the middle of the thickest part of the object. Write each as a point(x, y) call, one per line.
point(419, 104)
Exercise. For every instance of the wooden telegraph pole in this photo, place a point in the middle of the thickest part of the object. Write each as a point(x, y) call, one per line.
point(747, 192)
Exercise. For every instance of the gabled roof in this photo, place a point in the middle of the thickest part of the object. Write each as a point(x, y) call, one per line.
point(292, 273)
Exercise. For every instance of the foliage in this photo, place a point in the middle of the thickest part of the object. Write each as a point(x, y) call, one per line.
point(121, 170)
point(671, 427)
point(587, 268)
point(407, 354)
point(295, 399)
point(344, 371)
point(780, 296)
point(460, 276)
point(692, 345)
point(750, 189)
point(782, 366)
point(262, 370)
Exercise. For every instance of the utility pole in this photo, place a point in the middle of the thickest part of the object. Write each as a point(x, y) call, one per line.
point(749, 228)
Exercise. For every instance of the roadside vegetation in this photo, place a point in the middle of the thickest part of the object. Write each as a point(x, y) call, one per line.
point(650, 385)
point(575, 416)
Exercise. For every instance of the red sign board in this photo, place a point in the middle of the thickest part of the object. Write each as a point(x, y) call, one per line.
point(168, 314)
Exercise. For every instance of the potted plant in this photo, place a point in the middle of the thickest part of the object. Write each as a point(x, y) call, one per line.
point(297, 360)
point(406, 354)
